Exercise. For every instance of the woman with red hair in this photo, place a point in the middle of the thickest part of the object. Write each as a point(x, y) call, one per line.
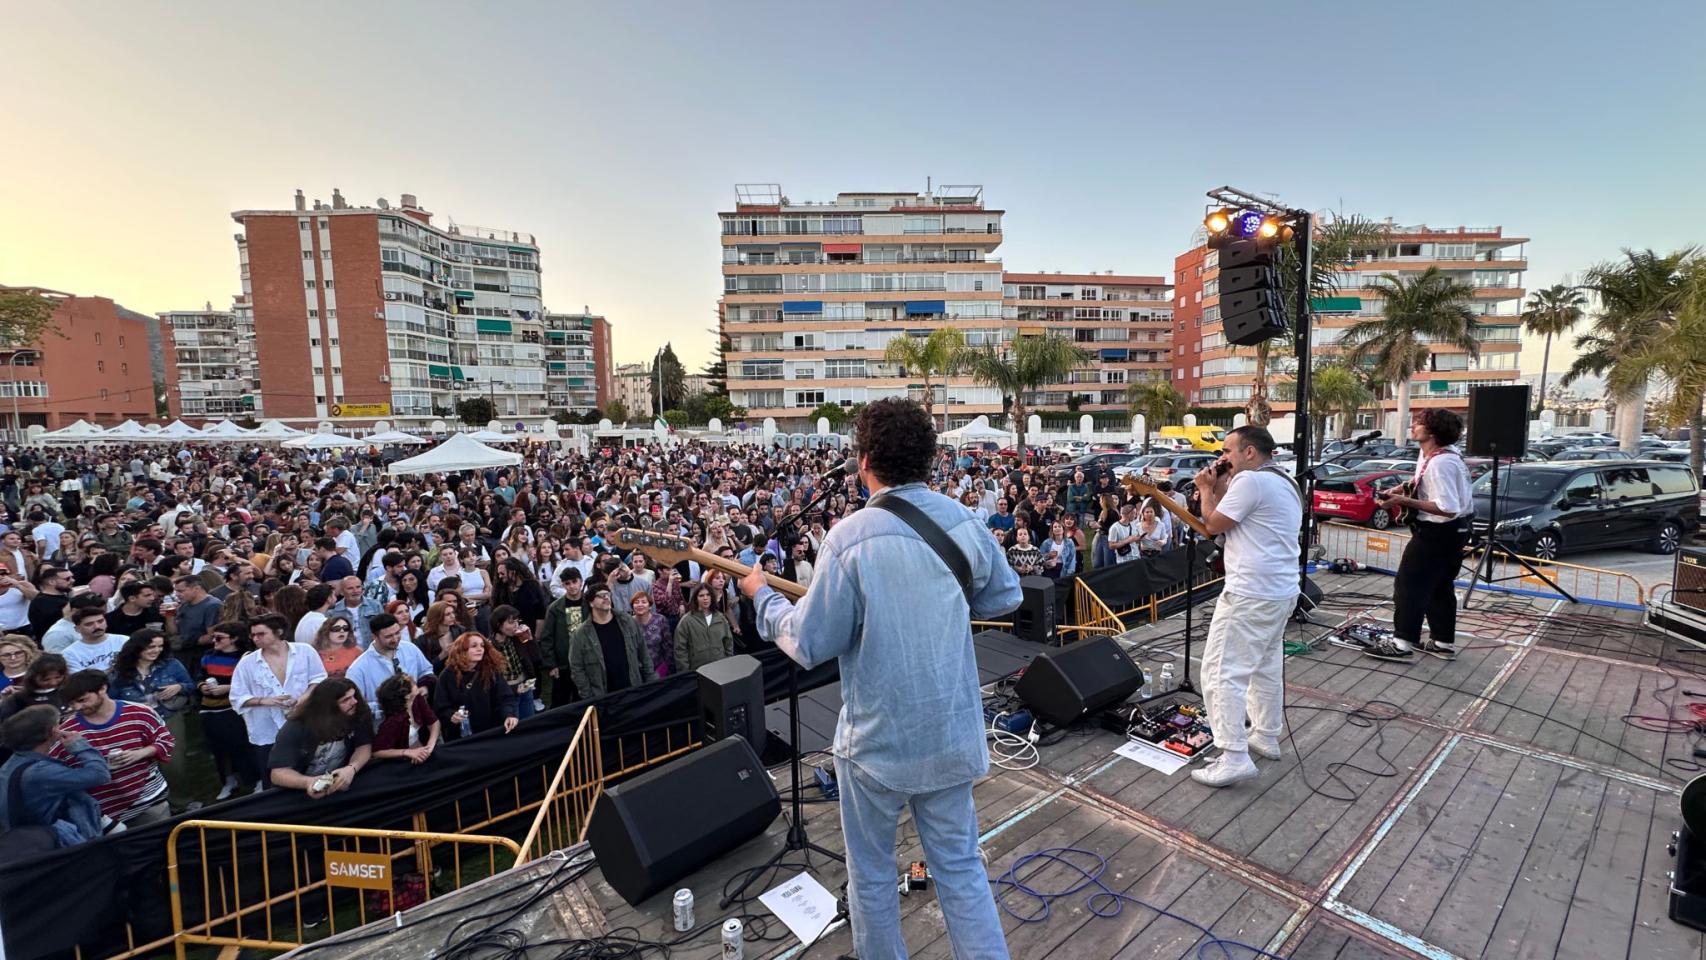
point(471, 694)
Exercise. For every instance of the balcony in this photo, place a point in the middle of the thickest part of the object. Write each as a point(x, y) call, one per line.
point(856, 262)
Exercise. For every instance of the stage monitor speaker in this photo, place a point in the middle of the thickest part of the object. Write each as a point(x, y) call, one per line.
point(666, 823)
point(1062, 686)
point(1688, 579)
point(1035, 619)
point(1498, 420)
point(731, 699)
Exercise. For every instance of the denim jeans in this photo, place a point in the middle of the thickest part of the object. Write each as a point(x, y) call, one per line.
point(524, 707)
point(947, 827)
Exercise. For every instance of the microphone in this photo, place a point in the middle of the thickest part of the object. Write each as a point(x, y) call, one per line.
point(1371, 435)
point(836, 472)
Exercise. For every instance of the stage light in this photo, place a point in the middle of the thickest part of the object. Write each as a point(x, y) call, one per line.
point(1268, 228)
point(1218, 221)
point(1247, 223)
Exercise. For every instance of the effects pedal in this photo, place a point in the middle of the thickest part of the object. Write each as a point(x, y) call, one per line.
point(1359, 636)
point(1149, 730)
point(826, 783)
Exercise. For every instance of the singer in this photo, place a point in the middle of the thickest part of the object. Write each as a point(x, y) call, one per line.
point(911, 731)
point(1444, 507)
point(1259, 509)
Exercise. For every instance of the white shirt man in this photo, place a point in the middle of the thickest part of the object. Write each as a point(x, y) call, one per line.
point(95, 647)
point(1261, 512)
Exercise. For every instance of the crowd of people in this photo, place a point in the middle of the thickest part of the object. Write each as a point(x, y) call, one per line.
point(221, 620)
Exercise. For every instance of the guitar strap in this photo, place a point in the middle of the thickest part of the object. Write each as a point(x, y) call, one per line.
point(933, 535)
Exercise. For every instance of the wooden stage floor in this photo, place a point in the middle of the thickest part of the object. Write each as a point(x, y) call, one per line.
point(1495, 806)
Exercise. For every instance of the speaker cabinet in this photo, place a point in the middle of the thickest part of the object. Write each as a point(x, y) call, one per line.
point(1688, 579)
point(1062, 686)
point(1498, 421)
point(666, 823)
point(731, 699)
point(1035, 618)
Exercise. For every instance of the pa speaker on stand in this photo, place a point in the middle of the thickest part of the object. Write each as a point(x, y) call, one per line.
point(1035, 618)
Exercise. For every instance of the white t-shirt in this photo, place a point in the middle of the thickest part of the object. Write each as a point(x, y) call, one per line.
point(1444, 481)
point(14, 609)
point(348, 546)
point(308, 627)
point(48, 533)
point(82, 656)
point(1261, 547)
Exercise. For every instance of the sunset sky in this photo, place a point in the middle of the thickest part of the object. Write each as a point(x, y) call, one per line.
point(614, 132)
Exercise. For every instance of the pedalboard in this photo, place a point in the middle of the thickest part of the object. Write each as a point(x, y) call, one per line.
point(1176, 727)
point(1360, 635)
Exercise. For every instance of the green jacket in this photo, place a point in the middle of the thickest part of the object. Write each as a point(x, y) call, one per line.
point(561, 619)
point(586, 657)
point(697, 643)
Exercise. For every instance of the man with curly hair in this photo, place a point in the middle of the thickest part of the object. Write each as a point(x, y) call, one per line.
point(911, 730)
point(1444, 507)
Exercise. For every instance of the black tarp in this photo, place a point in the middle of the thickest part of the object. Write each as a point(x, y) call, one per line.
point(82, 896)
point(1123, 586)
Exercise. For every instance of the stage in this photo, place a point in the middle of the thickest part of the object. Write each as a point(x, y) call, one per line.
point(1495, 806)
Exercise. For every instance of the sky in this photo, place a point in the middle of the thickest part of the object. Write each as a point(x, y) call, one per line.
point(615, 132)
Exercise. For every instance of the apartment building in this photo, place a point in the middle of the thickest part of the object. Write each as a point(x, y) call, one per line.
point(577, 361)
point(814, 291)
point(364, 313)
point(94, 366)
point(1212, 373)
point(1124, 321)
point(634, 390)
point(215, 353)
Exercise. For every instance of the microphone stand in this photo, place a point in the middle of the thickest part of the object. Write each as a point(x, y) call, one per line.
point(796, 839)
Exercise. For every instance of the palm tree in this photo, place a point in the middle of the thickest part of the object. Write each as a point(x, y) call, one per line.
point(1428, 305)
point(1551, 312)
point(1157, 401)
point(938, 353)
point(1021, 366)
point(1335, 388)
point(1647, 326)
point(1335, 244)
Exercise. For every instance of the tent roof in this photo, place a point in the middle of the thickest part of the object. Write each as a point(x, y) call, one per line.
point(324, 441)
point(389, 437)
point(460, 452)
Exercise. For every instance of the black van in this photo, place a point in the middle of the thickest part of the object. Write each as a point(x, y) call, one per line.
point(1552, 508)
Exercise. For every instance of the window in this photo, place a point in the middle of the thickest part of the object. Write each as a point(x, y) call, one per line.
point(121, 340)
point(100, 365)
point(319, 372)
point(1584, 488)
point(334, 341)
point(103, 393)
point(319, 399)
point(324, 223)
point(1672, 479)
point(1627, 483)
point(307, 284)
point(313, 314)
point(331, 314)
point(97, 339)
point(808, 398)
point(314, 342)
point(328, 284)
point(337, 371)
point(302, 223)
point(325, 254)
point(307, 254)
point(124, 368)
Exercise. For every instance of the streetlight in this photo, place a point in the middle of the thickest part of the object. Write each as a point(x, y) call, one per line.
point(17, 420)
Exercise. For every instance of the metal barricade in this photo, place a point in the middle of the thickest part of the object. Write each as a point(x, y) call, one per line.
point(568, 802)
point(1094, 617)
point(1380, 550)
point(277, 886)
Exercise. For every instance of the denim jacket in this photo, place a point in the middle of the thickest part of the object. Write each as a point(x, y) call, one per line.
point(166, 672)
point(55, 793)
point(883, 602)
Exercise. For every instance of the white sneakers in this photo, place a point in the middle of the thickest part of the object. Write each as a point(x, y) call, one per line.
point(1227, 769)
point(1268, 748)
point(228, 789)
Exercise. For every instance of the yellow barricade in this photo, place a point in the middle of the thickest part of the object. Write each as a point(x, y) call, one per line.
point(568, 802)
point(276, 886)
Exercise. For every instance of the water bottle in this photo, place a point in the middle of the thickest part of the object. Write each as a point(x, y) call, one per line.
point(1148, 689)
point(1166, 677)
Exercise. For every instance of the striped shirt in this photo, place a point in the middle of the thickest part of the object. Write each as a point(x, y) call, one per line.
point(139, 785)
point(218, 666)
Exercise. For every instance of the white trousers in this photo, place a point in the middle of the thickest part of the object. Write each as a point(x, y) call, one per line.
point(1242, 669)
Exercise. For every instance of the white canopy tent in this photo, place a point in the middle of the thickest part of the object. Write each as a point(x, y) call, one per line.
point(274, 430)
point(224, 430)
point(977, 431)
point(79, 432)
point(128, 430)
point(396, 437)
point(177, 430)
point(323, 441)
point(460, 452)
point(487, 435)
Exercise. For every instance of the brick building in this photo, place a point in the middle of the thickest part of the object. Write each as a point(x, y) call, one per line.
point(95, 365)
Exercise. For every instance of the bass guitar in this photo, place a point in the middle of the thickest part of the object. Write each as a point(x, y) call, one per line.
point(670, 550)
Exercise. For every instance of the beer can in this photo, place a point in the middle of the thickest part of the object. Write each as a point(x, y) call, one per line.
point(683, 910)
point(733, 949)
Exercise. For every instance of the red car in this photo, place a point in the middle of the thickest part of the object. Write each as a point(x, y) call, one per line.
point(1351, 496)
point(1033, 454)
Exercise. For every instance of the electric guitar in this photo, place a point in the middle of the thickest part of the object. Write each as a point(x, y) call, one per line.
point(1141, 487)
point(669, 550)
point(1401, 516)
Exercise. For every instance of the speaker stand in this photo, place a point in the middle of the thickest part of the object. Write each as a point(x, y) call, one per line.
point(1493, 548)
point(797, 839)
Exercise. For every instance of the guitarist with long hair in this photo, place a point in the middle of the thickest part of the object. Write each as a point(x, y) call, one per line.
point(1441, 508)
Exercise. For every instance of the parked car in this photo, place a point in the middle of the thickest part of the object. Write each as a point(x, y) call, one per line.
point(1110, 446)
point(1032, 454)
point(1070, 448)
point(1180, 468)
point(1550, 509)
point(1091, 464)
point(1591, 453)
point(1351, 496)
